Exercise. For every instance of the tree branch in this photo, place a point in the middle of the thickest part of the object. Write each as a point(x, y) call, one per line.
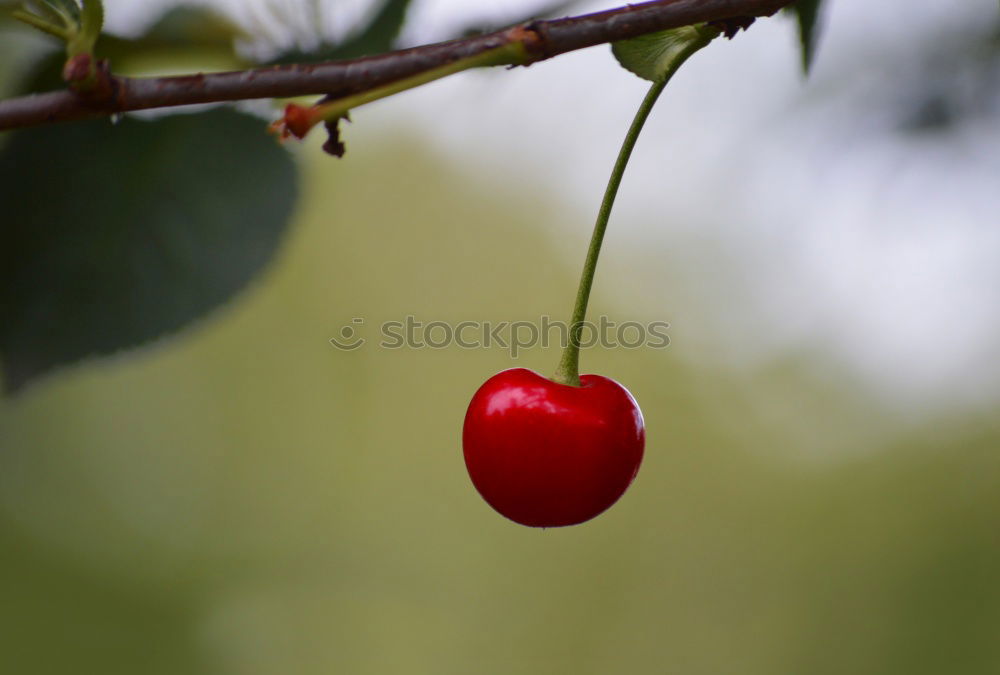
point(540, 40)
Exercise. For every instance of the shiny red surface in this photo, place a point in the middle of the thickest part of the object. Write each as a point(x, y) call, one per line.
point(546, 454)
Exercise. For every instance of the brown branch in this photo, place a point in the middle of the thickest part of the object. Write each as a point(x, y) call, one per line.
point(541, 40)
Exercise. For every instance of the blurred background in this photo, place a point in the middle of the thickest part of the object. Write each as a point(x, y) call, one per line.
point(821, 487)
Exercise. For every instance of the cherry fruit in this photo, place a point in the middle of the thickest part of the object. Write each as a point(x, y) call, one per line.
point(546, 454)
point(549, 453)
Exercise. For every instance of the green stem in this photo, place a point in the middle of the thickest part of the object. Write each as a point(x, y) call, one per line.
point(41, 24)
point(510, 54)
point(91, 23)
point(568, 371)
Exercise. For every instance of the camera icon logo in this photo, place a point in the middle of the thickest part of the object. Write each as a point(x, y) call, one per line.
point(348, 339)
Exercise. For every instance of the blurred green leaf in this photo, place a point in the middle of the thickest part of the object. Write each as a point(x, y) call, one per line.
point(113, 235)
point(378, 36)
point(178, 34)
point(549, 10)
point(184, 27)
point(657, 55)
point(68, 7)
point(807, 15)
point(193, 25)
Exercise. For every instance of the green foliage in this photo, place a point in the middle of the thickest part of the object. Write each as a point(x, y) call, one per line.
point(656, 56)
point(378, 36)
point(116, 234)
point(807, 14)
point(185, 38)
point(70, 7)
point(551, 9)
point(78, 23)
point(184, 26)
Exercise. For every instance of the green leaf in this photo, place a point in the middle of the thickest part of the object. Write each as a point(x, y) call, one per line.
point(180, 30)
point(192, 25)
point(807, 16)
point(378, 36)
point(69, 8)
point(656, 56)
point(551, 9)
point(113, 235)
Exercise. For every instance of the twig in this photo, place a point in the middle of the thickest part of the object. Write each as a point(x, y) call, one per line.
point(540, 39)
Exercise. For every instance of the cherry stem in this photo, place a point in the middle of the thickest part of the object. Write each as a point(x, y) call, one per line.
point(514, 53)
point(568, 371)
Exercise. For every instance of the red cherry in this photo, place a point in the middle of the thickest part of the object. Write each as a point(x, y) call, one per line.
point(546, 454)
